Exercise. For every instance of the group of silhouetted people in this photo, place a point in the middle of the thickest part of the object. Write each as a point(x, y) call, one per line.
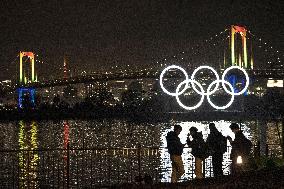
point(215, 146)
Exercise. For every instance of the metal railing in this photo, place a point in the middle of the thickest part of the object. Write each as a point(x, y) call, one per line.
point(68, 168)
point(91, 167)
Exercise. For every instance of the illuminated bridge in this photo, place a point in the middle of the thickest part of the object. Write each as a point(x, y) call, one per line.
point(103, 77)
point(235, 46)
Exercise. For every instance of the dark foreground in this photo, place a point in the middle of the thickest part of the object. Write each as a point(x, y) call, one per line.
point(251, 180)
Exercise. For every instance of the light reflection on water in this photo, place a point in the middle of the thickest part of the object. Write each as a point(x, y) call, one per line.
point(114, 134)
point(28, 162)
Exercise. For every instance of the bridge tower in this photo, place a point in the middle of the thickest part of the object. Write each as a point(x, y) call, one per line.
point(239, 54)
point(238, 48)
point(26, 95)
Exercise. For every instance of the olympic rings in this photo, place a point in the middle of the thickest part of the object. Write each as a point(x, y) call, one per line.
point(201, 92)
point(247, 80)
point(202, 95)
point(161, 80)
point(205, 67)
point(229, 103)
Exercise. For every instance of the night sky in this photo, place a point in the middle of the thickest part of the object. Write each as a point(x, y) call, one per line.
point(104, 33)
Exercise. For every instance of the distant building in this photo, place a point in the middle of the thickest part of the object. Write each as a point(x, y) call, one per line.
point(7, 95)
point(117, 88)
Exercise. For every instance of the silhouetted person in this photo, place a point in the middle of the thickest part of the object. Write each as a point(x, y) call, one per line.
point(199, 150)
point(175, 148)
point(241, 146)
point(217, 146)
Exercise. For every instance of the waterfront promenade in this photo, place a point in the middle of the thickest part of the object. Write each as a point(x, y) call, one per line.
point(266, 179)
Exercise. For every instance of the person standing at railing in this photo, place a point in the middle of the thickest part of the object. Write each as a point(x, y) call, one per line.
point(199, 150)
point(217, 146)
point(241, 148)
point(175, 149)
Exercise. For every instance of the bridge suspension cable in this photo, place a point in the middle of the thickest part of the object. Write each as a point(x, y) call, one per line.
point(273, 56)
point(219, 45)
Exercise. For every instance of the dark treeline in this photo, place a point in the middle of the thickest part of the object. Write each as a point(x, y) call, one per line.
point(137, 104)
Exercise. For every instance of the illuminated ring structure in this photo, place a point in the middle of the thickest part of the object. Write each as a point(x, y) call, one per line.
point(161, 79)
point(216, 75)
point(187, 82)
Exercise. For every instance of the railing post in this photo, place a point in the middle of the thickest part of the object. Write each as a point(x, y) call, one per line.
point(13, 162)
point(28, 171)
point(68, 163)
point(204, 166)
point(282, 142)
point(262, 128)
point(139, 162)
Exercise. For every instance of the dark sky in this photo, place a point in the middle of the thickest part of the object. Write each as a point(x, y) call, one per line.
point(103, 33)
